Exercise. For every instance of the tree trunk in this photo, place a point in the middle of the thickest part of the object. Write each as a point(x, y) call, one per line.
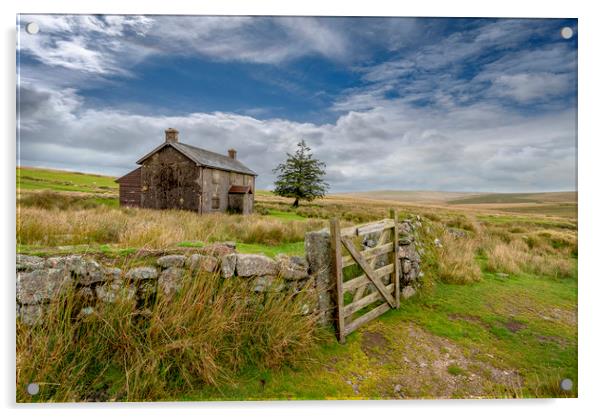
point(296, 203)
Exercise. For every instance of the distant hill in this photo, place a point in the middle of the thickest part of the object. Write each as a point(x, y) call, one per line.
point(423, 197)
point(517, 198)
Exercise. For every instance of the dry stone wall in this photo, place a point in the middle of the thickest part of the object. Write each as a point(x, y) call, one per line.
point(318, 253)
point(41, 280)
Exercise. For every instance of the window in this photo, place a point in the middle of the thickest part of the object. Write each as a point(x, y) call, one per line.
point(215, 203)
point(215, 176)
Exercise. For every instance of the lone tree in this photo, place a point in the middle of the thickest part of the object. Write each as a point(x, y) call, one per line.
point(300, 177)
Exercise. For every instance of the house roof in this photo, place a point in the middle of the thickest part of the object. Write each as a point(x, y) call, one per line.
point(203, 157)
point(240, 189)
point(133, 172)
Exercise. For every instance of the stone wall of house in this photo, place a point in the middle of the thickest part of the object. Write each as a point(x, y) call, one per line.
point(41, 280)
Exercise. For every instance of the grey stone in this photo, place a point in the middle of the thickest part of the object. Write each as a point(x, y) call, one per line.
point(438, 243)
point(171, 260)
point(228, 265)
point(293, 267)
point(409, 252)
point(408, 292)
point(405, 227)
point(502, 275)
point(250, 265)
point(113, 290)
point(42, 285)
point(405, 240)
point(406, 266)
point(141, 273)
point(205, 263)
point(171, 280)
point(32, 314)
point(29, 263)
point(72, 263)
point(91, 273)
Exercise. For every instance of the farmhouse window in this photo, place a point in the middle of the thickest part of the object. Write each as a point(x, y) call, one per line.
point(215, 203)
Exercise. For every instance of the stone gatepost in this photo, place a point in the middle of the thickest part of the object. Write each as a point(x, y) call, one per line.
point(317, 250)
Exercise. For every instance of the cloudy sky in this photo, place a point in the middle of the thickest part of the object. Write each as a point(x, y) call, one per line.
point(387, 103)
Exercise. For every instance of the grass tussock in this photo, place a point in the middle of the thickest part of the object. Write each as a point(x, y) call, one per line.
point(151, 228)
point(529, 255)
point(456, 261)
point(210, 331)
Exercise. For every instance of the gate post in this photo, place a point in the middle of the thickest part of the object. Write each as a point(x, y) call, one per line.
point(396, 264)
point(337, 271)
point(318, 254)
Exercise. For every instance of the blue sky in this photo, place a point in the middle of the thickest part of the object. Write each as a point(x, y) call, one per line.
point(387, 103)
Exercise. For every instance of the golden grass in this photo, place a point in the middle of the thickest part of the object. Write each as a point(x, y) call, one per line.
point(151, 228)
point(211, 330)
point(456, 261)
point(526, 255)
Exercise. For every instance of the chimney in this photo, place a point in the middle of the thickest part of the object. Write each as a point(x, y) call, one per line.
point(232, 153)
point(171, 135)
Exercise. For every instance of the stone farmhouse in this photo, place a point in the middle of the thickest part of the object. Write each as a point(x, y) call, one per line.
point(175, 175)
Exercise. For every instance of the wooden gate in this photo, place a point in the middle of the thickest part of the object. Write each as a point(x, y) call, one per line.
point(366, 272)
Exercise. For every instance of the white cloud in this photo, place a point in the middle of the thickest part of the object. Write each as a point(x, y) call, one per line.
point(395, 146)
point(528, 87)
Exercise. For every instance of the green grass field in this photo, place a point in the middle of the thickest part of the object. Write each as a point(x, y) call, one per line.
point(47, 179)
point(509, 331)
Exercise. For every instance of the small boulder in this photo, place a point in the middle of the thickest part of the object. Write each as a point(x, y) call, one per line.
point(169, 261)
point(408, 292)
point(141, 273)
point(72, 263)
point(409, 252)
point(29, 263)
point(406, 266)
point(228, 265)
point(91, 273)
point(42, 285)
point(205, 263)
point(171, 280)
point(292, 267)
point(249, 265)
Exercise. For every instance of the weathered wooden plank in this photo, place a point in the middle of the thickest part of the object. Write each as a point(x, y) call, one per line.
point(335, 244)
point(363, 279)
point(367, 270)
point(397, 269)
point(351, 308)
point(372, 314)
point(367, 228)
point(369, 253)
